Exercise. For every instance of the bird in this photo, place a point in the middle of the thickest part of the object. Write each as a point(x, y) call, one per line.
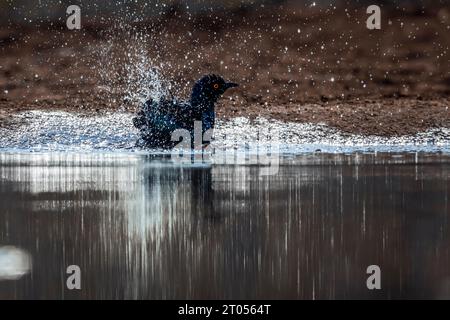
point(157, 120)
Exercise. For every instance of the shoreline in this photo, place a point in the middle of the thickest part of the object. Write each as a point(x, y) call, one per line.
point(47, 131)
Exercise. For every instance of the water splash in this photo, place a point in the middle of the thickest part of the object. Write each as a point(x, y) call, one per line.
point(144, 80)
point(294, 137)
point(130, 75)
point(40, 131)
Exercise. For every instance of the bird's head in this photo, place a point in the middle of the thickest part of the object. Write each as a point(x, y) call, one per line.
point(208, 90)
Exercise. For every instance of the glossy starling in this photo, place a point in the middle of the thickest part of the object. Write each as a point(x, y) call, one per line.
point(157, 120)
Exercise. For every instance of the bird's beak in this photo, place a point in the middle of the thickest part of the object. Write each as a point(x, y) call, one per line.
point(229, 85)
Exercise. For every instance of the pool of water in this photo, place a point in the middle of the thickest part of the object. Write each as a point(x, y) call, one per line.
point(147, 227)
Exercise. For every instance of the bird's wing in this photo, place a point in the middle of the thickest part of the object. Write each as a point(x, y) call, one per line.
point(157, 121)
point(163, 116)
point(174, 111)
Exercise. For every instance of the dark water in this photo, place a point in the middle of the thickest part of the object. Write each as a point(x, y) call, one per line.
point(140, 227)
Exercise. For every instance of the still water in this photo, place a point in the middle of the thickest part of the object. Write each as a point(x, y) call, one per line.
point(144, 227)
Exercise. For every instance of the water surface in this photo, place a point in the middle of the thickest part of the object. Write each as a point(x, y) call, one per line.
point(144, 227)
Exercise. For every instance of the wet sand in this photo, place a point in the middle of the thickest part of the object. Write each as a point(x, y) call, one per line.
point(293, 63)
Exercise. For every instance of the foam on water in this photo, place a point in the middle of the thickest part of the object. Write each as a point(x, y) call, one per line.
point(42, 131)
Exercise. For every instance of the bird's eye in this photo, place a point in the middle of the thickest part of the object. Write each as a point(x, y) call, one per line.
point(216, 86)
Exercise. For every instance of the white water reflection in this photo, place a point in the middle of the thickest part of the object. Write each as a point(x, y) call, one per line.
point(42, 131)
point(14, 263)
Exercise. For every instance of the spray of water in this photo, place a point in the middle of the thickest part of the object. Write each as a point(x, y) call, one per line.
point(144, 79)
point(130, 74)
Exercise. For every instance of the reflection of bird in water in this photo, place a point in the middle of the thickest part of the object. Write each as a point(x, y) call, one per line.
point(189, 189)
point(157, 121)
point(202, 191)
